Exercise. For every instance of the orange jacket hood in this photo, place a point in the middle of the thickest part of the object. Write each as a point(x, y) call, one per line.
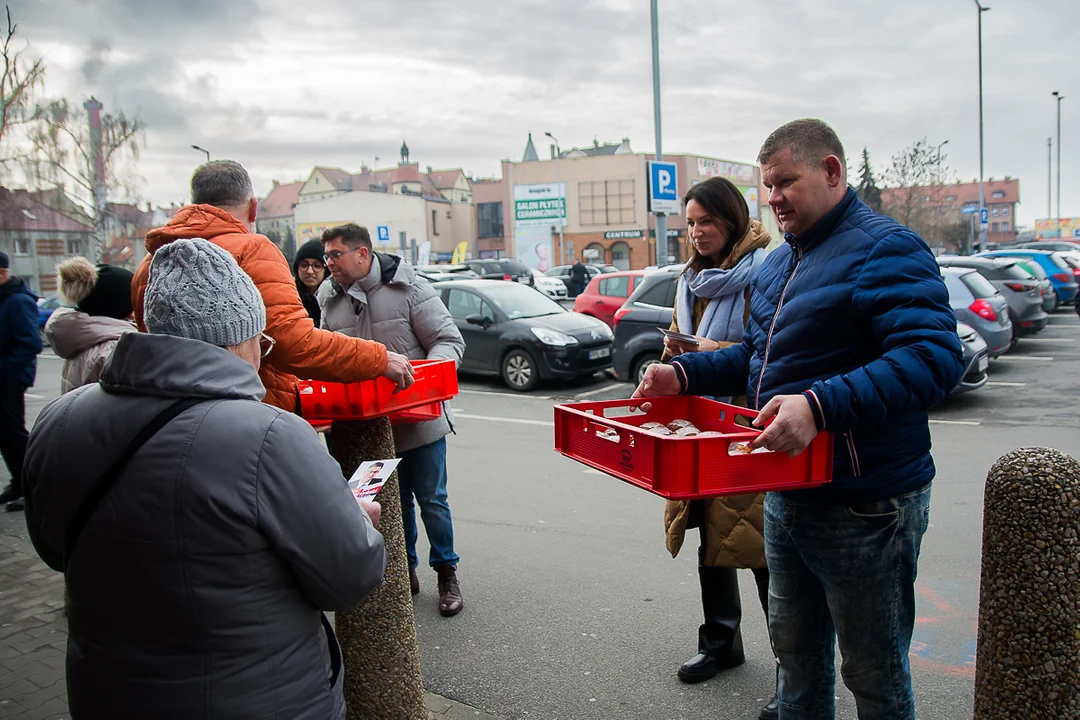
point(195, 221)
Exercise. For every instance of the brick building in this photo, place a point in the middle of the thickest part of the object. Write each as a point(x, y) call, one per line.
point(36, 237)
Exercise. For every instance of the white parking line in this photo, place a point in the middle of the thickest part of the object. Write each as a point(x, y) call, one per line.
point(517, 421)
point(1025, 341)
point(1000, 383)
point(597, 391)
point(1026, 358)
point(955, 422)
point(519, 396)
point(32, 396)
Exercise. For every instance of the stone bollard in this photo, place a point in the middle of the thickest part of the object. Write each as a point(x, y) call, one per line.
point(1028, 662)
point(378, 638)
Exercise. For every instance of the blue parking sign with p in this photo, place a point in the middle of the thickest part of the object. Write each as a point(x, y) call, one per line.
point(663, 187)
point(384, 233)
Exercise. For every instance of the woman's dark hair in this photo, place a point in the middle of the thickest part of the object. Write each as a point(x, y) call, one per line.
point(727, 207)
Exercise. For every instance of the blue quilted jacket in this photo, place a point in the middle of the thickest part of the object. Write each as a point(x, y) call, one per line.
point(855, 315)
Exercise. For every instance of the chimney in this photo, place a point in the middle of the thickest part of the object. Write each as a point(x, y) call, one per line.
point(428, 169)
point(275, 183)
point(595, 143)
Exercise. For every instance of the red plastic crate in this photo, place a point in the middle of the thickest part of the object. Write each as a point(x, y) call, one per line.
point(680, 468)
point(417, 414)
point(433, 382)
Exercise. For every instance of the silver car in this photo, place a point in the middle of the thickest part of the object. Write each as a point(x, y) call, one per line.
point(976, 360)
point(1020, 290)
point(976, 302)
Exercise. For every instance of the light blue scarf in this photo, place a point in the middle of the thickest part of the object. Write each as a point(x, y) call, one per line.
point(725, 289)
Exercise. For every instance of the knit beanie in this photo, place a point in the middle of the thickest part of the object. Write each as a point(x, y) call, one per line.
point(311, 250)
point(104, 290)
point(197, 291)
point(4, 262)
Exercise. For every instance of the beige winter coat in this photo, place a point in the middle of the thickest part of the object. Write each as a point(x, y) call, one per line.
point(735, 525)
point(85, 342)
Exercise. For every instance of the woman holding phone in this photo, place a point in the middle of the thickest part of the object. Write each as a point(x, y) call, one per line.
point(712, 304)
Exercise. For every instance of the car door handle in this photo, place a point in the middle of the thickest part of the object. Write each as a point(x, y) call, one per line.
point(599, 302)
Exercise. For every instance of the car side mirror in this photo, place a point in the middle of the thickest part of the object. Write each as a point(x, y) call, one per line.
point(478, 319)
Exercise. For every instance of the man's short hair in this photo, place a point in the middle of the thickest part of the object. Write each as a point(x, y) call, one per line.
point(221, 183)
point(811, 141)
point(351, 234)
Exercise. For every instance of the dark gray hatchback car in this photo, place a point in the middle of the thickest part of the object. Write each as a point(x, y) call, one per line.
point(638, 341)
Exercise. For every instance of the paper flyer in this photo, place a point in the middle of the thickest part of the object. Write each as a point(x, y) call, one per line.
point(371, 476)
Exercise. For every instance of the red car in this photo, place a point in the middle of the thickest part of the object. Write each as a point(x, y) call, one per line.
point(606, 293)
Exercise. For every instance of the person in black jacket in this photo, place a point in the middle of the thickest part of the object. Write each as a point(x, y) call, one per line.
point(309, 270)
point(579, 278)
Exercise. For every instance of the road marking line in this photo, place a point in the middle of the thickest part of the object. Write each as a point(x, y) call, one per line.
point(519, 396)
point(519, 421)
point(999, 383)
point(597, 391)
point(1025, 341)
point(48, 356)
point(32, 396)
point(1035, 358)
point(956, 422)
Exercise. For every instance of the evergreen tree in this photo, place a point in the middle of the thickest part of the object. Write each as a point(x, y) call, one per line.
point(867, 190)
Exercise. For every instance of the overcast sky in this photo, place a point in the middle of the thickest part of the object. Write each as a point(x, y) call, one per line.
point(281, 85)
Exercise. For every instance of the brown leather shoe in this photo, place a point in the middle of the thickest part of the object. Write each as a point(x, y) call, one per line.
point(450, 602)
point(414, 581)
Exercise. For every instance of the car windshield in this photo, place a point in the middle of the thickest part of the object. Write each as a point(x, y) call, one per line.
point(979, 286)
point(519, 301)
point(1059, 261)
point(1015, 272)
point(1034, 268)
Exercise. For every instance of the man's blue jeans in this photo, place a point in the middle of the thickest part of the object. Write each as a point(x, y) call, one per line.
point(844, 573)
point(422, 474)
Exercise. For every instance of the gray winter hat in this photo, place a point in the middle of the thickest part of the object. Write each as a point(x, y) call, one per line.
point(197, 291)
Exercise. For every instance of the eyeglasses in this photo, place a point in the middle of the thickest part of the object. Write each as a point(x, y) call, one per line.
point(266, 344)
point(312, 265)
point(336, 255)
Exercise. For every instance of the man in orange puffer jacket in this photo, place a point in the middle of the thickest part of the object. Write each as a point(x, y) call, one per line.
point(223, 212)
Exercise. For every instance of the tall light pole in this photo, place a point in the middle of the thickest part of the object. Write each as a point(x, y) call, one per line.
point(1049, 175)
point(941, 184)
point(562, 246)
point(661, 219)
point(202, 150)
point(1059, 97)
point(982, 171)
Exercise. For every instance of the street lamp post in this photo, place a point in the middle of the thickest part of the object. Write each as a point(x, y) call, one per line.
point(563, 255)
point(1059, 97)
point(941, 185)
point(202, 150)
point(982, 172)
point(661, 219)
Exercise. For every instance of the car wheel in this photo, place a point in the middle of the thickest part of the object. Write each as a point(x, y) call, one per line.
point(642, 365)
point(519, 371)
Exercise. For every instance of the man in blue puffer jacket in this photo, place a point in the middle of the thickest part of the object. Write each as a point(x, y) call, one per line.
point(850, 332)
point(20, 343)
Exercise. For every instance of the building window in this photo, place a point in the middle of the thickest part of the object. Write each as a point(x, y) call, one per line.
point(607, 202)
point(993, 227)
point(950, 198)
point(995, 211)
point(998, 194)
point(434, 229)
point(1005, 211)
point(620, 255)
point(22, 246)
point(489, 219)
point(594, 253)
point(75, 247)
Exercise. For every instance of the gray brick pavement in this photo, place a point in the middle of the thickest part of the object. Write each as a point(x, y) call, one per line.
point(33, 636)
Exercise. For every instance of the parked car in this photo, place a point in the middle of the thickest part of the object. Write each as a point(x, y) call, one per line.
point(441, 273)
point(502, 269)
point(1054, 245)
point(606, 293)
point(638, 341)
point(976, 302)
point(562, 272)
point(552, 287)
point(522, 335)
point(1023, 292)
point(976, 359)
point(1050, 298)
point(1061, 275)
point(45, 307)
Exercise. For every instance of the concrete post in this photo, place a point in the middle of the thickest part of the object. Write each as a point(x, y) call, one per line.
point(1028, 663)
point(378, 638)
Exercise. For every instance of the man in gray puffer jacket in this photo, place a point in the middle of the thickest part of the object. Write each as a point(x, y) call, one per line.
point(198, 580)
point(378, 297)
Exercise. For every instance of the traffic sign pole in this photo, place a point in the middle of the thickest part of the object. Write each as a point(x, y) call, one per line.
point(661, 220)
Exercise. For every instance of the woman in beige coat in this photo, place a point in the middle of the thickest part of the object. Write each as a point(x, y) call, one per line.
point(86, 333)
point(713, 303)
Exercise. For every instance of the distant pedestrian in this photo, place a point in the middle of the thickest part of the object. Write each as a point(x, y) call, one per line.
point(223, 211)
point(20, 343)
point(200, 531)
point(310, 271)
point(86, 333)
point(380, 297)
point(579, 277)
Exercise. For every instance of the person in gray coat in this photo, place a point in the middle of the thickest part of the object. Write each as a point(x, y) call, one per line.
point(378, 297)
point(198, 576)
